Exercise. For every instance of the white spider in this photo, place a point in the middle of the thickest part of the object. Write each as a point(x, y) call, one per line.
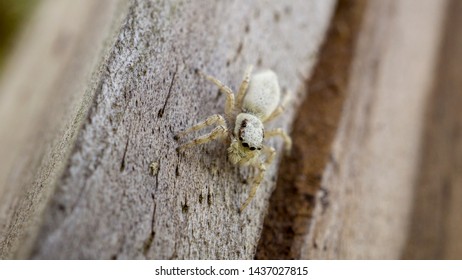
point(257, 103)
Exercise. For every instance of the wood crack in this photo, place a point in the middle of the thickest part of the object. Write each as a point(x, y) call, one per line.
point(299, 179)
point(161, 111)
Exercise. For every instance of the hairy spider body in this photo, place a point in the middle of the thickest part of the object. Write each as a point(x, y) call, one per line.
point(257, 103)
point(263, 95)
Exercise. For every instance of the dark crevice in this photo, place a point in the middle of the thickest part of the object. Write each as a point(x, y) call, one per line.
point(148, 242)
point(161, 111)
point(122, 163)
point(300, 174)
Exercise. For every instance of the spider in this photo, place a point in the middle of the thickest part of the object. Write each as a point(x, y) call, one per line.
point(257, 103)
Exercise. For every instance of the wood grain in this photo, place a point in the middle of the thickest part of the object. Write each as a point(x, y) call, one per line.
point(104, 200)
point(314, 130)
point(436, 227)
point(364, 204)
point(45, 92)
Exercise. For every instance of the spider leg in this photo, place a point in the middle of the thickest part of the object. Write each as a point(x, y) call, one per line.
point(261, 165)
point(279, 132)
point(209, 121)
point(244, 86)
point(229, 106)
point(217, 132)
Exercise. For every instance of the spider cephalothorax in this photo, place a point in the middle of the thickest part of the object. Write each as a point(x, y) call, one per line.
point(250, 131)
point(257, 103)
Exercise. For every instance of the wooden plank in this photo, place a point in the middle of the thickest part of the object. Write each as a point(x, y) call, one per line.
point(364, 204)
point(45, 92)
point(314, 130)
point(106, 201)
point(436, 228)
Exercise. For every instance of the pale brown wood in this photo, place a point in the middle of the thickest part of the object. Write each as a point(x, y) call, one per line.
point(363, 207)
point(92, 171)
point(315, 125)
point(45, 92)
point(436, 224)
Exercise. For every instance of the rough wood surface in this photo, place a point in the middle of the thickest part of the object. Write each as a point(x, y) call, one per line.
point(314, 129)
point(107, 202)
point(364, 203)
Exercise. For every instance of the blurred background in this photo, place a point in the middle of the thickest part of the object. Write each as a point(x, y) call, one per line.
point(13, 15)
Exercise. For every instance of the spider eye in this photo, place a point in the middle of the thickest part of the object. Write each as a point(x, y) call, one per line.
point(240, 138)
point(252, 148)
point(259, 148)
point(245, 145)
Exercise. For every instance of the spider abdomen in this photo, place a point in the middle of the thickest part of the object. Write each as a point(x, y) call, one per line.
point(263, 95)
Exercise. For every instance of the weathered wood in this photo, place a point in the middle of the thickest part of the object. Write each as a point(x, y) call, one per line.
point(364, 204)
point(45, 92)
point(436, 229)
point(314, 129)
point(107, 202)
